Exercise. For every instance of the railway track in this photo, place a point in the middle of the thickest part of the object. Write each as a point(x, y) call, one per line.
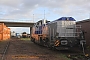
point(5, 50)
point(14, 50)
point(80, 55)
point(75, 55)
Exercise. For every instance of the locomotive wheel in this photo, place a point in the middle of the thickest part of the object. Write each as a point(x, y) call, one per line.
point(33, 40)
point(51, 47)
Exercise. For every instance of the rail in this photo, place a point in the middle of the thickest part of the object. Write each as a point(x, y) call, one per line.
point(5, 50)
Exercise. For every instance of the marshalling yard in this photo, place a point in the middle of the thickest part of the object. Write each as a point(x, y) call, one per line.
point(24, 49)
point(44, 30)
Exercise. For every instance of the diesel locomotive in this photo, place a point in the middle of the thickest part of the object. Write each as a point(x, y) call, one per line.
point(62, 33)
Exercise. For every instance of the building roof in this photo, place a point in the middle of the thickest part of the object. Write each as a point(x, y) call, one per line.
point(83, 21)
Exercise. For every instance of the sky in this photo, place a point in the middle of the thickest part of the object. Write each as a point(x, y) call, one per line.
point(34, 10)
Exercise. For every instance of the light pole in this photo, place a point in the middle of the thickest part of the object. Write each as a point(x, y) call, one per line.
point(33, 17)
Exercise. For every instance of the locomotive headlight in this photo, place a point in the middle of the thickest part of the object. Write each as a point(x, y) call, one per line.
point(64, 42)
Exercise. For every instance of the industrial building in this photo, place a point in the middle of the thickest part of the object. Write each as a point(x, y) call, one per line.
point(85, 24)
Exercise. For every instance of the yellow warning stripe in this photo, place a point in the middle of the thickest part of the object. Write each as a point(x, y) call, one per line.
point(57, 43)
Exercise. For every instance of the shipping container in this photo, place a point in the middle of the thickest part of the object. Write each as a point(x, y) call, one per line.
point(8, 31)
point(4, 32)
point(1, 36)
point(1, 27)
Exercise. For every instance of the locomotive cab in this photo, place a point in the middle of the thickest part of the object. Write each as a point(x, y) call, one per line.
point(39, 32)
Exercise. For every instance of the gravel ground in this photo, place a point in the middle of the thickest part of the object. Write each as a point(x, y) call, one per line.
point(26, 50)
point(2, 47)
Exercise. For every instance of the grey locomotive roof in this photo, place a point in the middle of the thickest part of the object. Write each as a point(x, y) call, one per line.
point(66, 18)
point(63, 19)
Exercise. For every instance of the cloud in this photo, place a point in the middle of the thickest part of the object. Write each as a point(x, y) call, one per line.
point(10, 3)
point(26, 8)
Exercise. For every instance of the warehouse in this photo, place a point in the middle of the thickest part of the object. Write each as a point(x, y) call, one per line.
point(85, 24)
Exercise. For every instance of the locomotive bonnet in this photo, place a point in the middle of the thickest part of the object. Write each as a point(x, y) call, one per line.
point(63, 27)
